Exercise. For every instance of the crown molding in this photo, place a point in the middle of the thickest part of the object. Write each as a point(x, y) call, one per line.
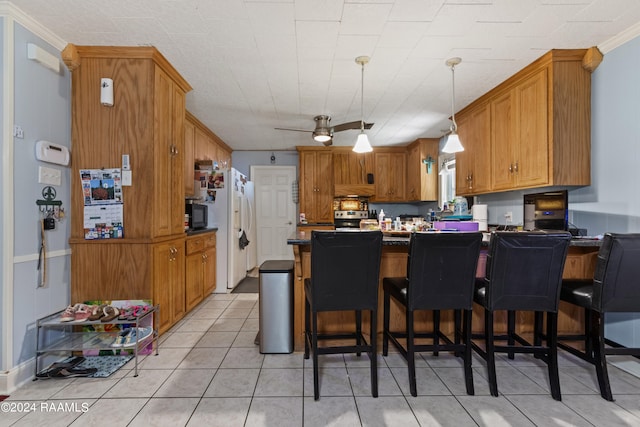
point(8, 9)
point(620, 39)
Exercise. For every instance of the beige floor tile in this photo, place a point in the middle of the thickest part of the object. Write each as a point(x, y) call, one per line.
point(217, 339)
point(168, 358)
point(227, 325)
point(438, 411)
point(291, 360)
point(332, 382)
point(203, 358)
point(492, 411)
point(144, 385)
point(245, 339)
point(221, 412)
point(275, 411)
point(361, 382)
point(186, 383)
point(280, 382)
point(242, 358)
point(119, 412)
point(181, 339)
point(50, 413)
point(165, 412)
point(427, 382)
point(544, 411)
point(331, 412)
point(601, 412)
point(385, 411)
point(233, 383)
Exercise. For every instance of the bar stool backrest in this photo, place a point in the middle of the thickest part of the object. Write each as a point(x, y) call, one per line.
point(524, 270)
point(345, 269)
point(616, 282)
point(442, 269)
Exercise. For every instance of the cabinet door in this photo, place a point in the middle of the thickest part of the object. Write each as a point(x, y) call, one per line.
point(414, 173)
point(163, 155)
point(176, 191)
point(194, 280)
point(532, 160)
point(307, 184)
point(189, 157)
point(324, 184)
point(473, 165)
point(504, 142)
point(390, 177)
point(177, 281)
point(209, 272)
point(163, 264)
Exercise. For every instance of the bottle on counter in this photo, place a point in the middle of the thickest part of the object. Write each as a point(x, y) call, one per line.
point(397, 225)
point(381, 216)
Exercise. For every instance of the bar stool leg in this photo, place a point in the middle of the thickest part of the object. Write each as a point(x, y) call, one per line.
point(490, 352)
point(374, 354)
point(436, 329)
point(307, 328)
point(314, 343)
point(511, 329)
point(466, 332)
point(552, 355)
point(385, 324)
point(597, 328)
point(411, 363)
point(358, 330)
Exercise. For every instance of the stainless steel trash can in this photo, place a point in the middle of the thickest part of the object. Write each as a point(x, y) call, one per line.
point(276, 307)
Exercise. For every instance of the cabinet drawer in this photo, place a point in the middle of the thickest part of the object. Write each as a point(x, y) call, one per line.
point(210, 241)
point(195, 245)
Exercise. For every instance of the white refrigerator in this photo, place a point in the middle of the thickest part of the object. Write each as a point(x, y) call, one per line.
point(232, 213)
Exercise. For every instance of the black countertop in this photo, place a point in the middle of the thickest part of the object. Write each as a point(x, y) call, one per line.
point(304, 238)
point(191, 232)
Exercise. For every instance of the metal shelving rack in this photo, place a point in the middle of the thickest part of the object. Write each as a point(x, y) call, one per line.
point(72, 339)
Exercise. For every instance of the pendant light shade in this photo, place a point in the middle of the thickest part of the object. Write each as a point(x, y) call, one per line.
point(453, 144)
point(362, 143)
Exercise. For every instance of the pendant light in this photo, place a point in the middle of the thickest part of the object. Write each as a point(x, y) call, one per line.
point(362, 143)
point(443, 170)
point(453, 144)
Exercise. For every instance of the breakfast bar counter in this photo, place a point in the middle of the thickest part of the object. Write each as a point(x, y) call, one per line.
point(580, 263)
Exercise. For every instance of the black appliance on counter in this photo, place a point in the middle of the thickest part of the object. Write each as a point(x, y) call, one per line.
point(198, 215)
point(546, 211)
point(349, 219)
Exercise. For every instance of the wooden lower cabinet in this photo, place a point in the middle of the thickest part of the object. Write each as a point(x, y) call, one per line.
point(200, 274)
point(131, 270)
point(168, 282)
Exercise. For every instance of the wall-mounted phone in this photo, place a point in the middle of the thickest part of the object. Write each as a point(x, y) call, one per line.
point(52, 153)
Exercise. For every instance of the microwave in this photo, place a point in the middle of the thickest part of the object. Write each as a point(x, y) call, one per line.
point(198, 215)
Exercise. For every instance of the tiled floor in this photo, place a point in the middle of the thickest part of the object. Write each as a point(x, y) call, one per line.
point(210, 373)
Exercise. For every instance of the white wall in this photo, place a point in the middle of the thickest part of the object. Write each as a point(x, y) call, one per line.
point(39, 102)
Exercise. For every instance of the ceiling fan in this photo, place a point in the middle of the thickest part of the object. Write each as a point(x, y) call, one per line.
point(324, 131)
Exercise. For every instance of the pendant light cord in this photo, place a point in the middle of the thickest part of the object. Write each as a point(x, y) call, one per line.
point(454, 125)
point(362, 100)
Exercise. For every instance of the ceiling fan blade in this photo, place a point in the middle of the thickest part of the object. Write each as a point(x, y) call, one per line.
point(351, 125)
point(294, 130)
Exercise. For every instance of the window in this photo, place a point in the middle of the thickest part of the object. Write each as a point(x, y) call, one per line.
point(448, 182)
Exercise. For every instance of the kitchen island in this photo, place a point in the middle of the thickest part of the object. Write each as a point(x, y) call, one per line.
point(580, 263)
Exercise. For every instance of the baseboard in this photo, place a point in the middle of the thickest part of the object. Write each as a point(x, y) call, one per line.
point(11, 380)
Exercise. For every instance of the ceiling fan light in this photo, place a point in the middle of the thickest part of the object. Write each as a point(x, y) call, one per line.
point(321, 136)
point(362, 144)
point(453, 144)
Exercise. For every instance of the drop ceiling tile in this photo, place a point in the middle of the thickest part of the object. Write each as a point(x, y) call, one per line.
point(364, 19)
point(402, 34)
point(271, 18)
point(319, 10)
point(311, 34)
point(415, 10)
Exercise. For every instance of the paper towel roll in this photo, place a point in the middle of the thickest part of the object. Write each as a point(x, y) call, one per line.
point(479, 212)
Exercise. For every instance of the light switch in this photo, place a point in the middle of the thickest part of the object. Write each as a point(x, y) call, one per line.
point(49, 176)
point(126, 178)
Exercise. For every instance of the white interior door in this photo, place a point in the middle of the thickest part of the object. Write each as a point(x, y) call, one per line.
point(275, 211)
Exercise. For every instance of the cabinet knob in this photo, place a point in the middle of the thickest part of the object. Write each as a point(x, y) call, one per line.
point(515, 168)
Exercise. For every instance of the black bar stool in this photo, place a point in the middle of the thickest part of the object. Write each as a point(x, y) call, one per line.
point(524, 273)
point(345, 270)
point(441, 273)
point(615, 288)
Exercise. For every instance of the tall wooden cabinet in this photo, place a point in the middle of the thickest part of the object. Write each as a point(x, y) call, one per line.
point(146, 122)
point(422, 180)
point(316, 183)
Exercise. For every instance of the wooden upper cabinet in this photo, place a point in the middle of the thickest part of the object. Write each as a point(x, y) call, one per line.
point(316, 184)
point(390, 176)
point(473, 168)
point(350, 171)
point(207, 145)
point(539, 126)
point(520, 140)
point(146, 122)
point(422, 180)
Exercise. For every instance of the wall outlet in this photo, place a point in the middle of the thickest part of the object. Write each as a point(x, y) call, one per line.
point(508, 217)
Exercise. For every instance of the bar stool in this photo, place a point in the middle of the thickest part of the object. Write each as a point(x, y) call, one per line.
point(345, 270)
point(524, 273)
point(440, 275)
point(614, 288)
